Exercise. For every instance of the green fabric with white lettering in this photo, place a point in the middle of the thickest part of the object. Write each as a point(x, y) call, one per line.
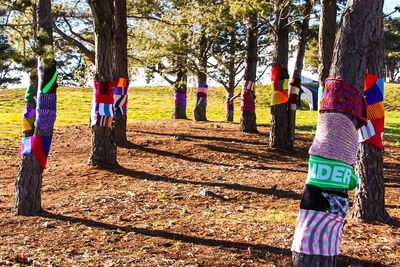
point(328, 173)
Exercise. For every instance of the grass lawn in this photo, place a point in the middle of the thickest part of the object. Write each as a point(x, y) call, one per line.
point(157, 103)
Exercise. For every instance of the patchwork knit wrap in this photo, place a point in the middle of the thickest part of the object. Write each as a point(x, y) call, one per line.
point(336, 138)
point(342, 96)
point(202, 92)
point(229, 103)
point(102, 112)
point(372, 132)
point(121, 86)
point(39, 146)
point(294, 91)
point(180, 99)
point(248, 96)
point(318, 233)
point(280, 82)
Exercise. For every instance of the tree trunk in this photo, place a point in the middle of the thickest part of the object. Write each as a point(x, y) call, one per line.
point(326, 40)
point(180, 89)
point(295, 84)
point(369, 202)
point(200, 111)
point(230, 90)
point(104, 149)
point(120, 71)
point(248, 115)
point(348, 70)
point(280, 136)
point(37, 120)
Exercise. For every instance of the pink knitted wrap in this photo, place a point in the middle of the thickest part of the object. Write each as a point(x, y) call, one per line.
point(336, 138)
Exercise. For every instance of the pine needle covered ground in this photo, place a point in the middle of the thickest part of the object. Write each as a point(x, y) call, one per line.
point(186, 193)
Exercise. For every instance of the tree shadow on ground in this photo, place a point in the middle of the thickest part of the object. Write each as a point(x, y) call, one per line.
point(208, 138)
point(280, 193)
point(261, 248)
point(192, 159)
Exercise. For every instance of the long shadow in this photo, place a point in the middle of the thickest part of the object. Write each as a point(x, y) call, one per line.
point(238, 187)
point(192, 159)
point(262, 248)
point(209, 138)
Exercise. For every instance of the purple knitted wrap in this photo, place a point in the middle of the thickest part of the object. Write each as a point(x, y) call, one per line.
point(336, 138)
point(46, 111)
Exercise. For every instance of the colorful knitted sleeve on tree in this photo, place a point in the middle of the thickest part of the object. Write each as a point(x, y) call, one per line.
point(120, 90)
point(102, 104)
point(372, 132)
point(248, 96)
point(280, 82)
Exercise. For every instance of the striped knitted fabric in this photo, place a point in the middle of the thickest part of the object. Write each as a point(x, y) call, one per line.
point(102, 112)
point(372, 131)
point(335, 126)
point(121, 96)
point(229, 103)
point(318, 233)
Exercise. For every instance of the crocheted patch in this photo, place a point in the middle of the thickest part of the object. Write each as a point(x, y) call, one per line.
point(336, 138)
point(342, 96)
point(318, 233)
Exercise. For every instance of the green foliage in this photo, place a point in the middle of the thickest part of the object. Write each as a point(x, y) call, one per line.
point(8, 70)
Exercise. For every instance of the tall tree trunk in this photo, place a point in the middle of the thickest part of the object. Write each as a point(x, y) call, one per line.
point(200, 111)
point(38, 119)
point(120, 71)
point(230, 89)
point(180, 91)
point(295, 84)
point(280, 136)
point(104, 149)
point(248, 115)
point(369, 202)
point(344, 105)
point(326, 40)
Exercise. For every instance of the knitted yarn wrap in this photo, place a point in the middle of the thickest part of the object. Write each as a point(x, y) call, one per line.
point(336, 138)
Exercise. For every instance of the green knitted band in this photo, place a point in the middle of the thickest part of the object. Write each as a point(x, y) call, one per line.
point(50, 83)
point(327, 173)
point(30, 93)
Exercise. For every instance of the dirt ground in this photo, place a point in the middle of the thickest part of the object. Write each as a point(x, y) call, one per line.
point(186, 194)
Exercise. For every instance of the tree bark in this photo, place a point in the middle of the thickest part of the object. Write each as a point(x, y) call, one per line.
point(200, 111)
point(369, 202)
point(29, 179)
point(230, 90)
point(326, 40)
point(248, 122)
point(294, 99)
point(280, 136)
point(104, 149)
point(120, 64)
